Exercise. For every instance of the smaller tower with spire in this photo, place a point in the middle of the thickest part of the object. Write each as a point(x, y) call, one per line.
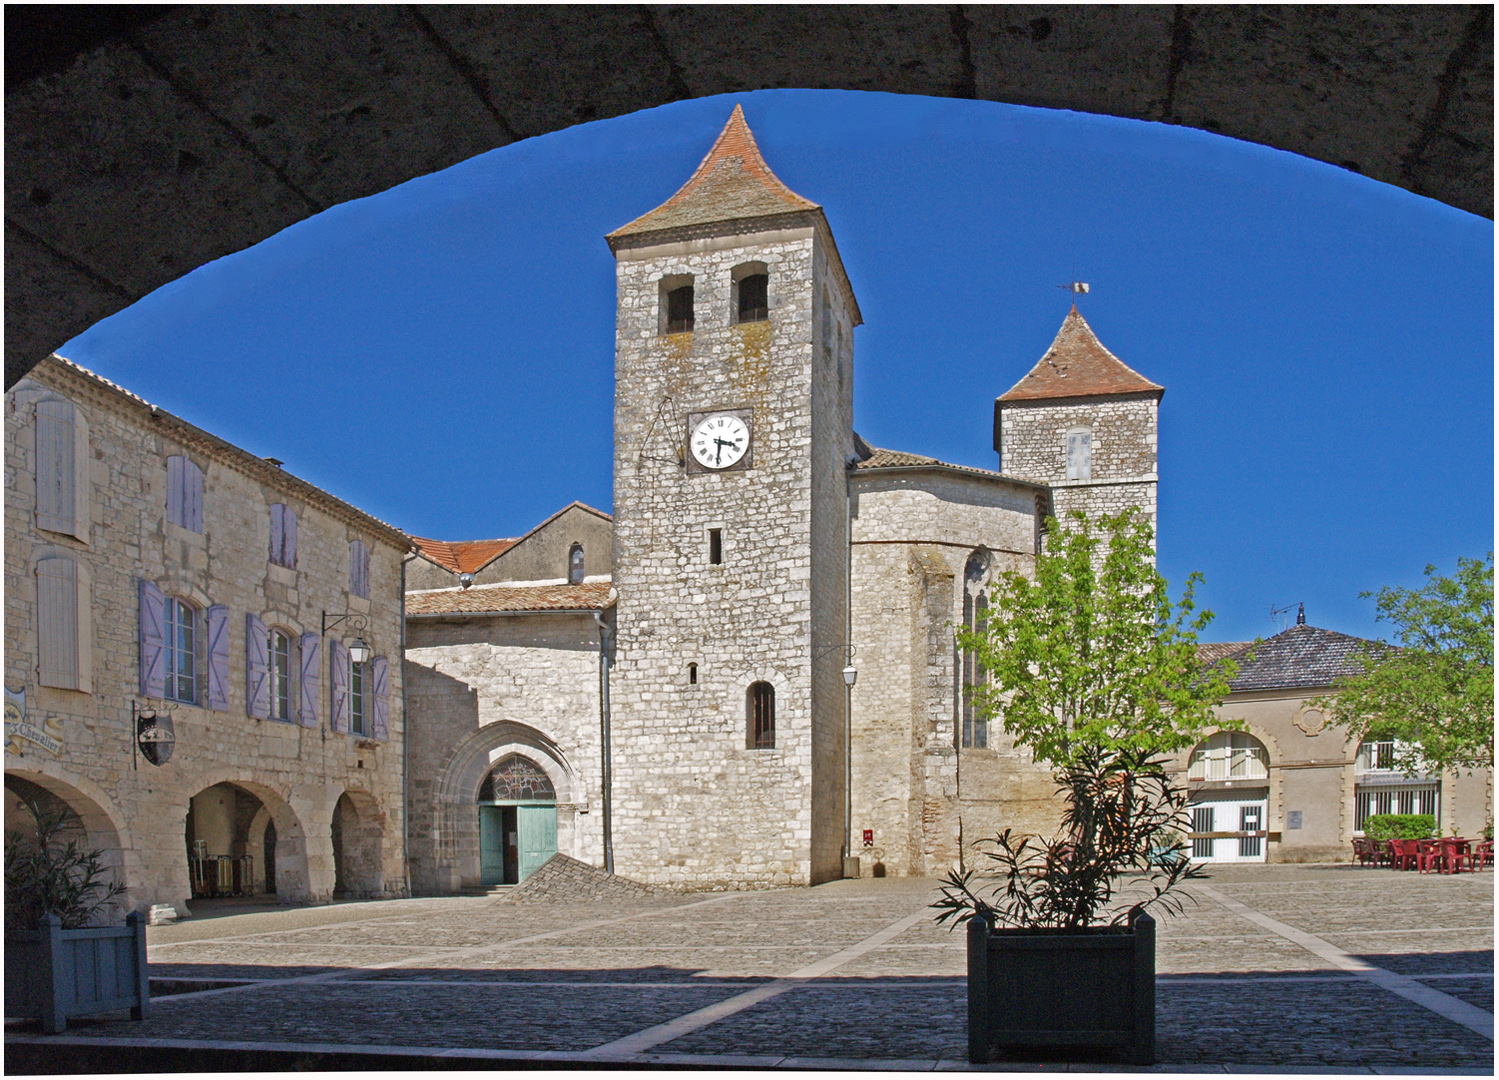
point(1085, 423)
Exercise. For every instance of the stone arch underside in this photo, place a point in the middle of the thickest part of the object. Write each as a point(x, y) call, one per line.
point(144, 144)
point(292, 873)
point(101, 826)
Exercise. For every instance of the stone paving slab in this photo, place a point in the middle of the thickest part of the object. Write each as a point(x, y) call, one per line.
point(484, 977)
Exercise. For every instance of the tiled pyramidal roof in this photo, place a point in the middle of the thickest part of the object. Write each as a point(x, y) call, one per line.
point(1077, 365)
point(462, 556)
point(1300, 656)
point(733, 182)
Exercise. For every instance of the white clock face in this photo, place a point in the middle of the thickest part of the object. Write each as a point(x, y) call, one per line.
point(719, 441)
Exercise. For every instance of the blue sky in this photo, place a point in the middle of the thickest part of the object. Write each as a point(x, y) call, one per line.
point(441, 354)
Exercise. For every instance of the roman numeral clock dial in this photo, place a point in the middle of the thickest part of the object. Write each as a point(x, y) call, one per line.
point(719, 441)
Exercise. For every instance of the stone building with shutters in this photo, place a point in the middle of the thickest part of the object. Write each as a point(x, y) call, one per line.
point(762, 555)
point(180, 618)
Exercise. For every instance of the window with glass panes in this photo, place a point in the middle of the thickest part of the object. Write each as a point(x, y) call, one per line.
point(280, 673)
point(182, 651)
point(356, 699)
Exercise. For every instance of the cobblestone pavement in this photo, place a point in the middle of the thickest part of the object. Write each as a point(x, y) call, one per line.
point(847, 974)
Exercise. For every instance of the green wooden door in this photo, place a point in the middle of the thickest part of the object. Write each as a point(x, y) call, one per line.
point(537, 826)
point(491, 846)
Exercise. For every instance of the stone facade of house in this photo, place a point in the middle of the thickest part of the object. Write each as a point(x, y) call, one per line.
point(160, 582)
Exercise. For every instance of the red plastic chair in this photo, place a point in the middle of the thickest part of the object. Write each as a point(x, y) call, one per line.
point(1430, 857)
point(1458, 855)
point(1403, 854)
point(1483, 855)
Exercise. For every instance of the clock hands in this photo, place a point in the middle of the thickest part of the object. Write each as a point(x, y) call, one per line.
point(721, 443)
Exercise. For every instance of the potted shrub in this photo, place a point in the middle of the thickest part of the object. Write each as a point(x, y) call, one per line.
point(1093, 669)
point(58, 961)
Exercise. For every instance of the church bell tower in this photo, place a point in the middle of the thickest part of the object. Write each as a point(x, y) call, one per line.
point(732, 429)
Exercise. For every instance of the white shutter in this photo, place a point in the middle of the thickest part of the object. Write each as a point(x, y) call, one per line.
point(55, 496)
point(57, 622)
point(82, 458)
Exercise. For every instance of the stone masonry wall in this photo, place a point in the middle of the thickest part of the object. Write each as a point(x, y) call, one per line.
point(137, 809)
point(480, 690)
point(914, 787)
point(695, 808)
point(1033, 444)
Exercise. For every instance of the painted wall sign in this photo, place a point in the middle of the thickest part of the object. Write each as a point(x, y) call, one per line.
point(17, 729)
point(869, 838)
point(157, 738)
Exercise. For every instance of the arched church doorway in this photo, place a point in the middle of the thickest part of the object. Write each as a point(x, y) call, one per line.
point(517, 821)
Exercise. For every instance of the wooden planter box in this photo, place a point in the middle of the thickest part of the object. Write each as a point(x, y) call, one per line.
point(1050, 991)
point(55, 973)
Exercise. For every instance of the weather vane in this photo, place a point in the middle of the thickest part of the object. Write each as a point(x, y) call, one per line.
point(1076, 288)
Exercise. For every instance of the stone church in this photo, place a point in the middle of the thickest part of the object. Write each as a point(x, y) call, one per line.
point(748, 677)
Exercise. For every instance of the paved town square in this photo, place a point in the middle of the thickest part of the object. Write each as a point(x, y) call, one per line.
point(1315, 968)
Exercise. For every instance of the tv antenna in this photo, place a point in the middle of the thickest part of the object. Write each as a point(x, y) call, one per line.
point(1280, 613)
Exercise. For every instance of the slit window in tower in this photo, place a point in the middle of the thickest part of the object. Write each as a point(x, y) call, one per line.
point(754, 304)
point(679, 310)
point(715, 546)
point(691, 674)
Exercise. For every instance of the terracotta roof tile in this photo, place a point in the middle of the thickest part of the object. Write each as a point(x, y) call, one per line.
point(483, 599)
point(462, 556)
point(733, 182)
point(1077, 365)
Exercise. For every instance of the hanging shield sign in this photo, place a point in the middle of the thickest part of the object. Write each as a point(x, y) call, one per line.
point(157, 739)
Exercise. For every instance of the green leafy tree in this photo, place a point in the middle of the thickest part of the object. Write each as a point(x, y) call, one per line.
point(1096, 671)
point(1092, 653)
point(1434, 694)
point(46, 874)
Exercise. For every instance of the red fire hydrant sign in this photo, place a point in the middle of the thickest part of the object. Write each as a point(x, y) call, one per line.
point(869, 838)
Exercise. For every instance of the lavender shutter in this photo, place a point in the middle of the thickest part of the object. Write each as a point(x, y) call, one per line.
point(257, 668)
point(380, 670)
point(218, 658)
point(193, 496)
point(338, 676)
point(176, 512)
point(278, 533)
point(311, 644)
point(153, 611)
point(359, 569)
point(288, 538)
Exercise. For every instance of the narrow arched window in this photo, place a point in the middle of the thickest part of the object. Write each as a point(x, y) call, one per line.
point(1043, 511)
point(279, 673)
point(975, 734)
point(575, 565)
point(754, 299)
point(691, 674)
point(1079, 453)
point(761, 706)
point(676, 304)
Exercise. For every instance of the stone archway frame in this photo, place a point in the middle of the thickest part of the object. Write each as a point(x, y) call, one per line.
point(455, 845)
point(104, 826)
point(297, 879)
